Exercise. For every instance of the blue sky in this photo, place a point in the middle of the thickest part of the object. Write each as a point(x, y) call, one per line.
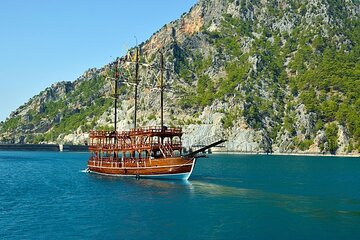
point(46, 41)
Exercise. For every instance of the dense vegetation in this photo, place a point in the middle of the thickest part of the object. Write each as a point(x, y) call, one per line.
point(292, 73)
point(77, 109)
point(323, 74)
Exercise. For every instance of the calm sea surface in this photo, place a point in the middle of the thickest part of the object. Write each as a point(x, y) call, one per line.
point(45, 195)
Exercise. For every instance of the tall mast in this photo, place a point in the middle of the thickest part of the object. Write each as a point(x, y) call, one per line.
point(116, 94)
point(136, 83)
point(162, 89)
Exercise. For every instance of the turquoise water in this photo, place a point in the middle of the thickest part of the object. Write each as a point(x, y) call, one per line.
point(46, 195)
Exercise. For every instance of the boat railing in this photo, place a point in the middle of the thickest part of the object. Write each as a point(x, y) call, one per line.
point(137, 131)
point(121, 146)
point(102, 134)
point(116, 162)
point(156, 129)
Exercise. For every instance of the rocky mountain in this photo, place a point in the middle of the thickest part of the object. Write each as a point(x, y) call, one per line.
point(268, 75)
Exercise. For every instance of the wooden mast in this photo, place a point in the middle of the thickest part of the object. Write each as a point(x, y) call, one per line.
point(116, 94)
point(162, 90)
point(136, 83)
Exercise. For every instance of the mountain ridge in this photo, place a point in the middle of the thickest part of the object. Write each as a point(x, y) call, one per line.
point(269, 76)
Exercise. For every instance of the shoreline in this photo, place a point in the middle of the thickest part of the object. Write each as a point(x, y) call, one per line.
point(288, 154)
point(84, 148)
point(44, 147)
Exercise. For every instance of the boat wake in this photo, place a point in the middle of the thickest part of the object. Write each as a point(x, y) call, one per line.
point(85, 170)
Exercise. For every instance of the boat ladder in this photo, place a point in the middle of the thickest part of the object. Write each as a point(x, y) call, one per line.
point(166, 150)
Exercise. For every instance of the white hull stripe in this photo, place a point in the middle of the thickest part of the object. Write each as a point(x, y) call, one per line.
point(184, 176)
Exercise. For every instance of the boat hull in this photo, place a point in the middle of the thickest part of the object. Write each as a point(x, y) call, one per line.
point(180, 171)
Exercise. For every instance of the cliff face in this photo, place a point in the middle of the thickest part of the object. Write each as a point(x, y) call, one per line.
point(279, 76)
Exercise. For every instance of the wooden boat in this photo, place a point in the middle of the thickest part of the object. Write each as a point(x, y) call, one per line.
point(151, 152)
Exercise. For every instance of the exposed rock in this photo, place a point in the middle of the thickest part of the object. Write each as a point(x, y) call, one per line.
point(305, 123)
point(320, 139)
point(343, 139)
point(79, 139)
point(259, 97)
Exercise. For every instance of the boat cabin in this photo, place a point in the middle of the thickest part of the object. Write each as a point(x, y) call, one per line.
point(135, 144)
